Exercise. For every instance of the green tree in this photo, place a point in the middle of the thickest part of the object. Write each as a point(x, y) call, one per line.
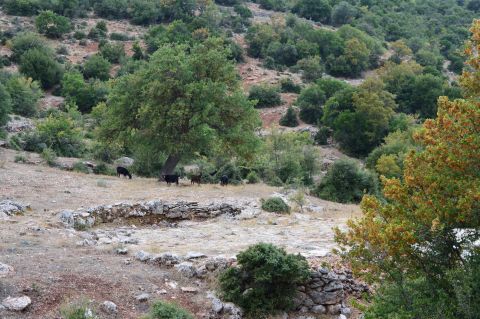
point(290, 118)
point(24, 95)
point(97, 67)
point(5, 105)
point(312, 68)
point(42, 67)
point(343, 13)
point(84, 94)
point(265, 95)
point(187, 100)
point(317, 10)
point(311, 101)
point(51, 24)
point(25, 41)
point(113, 53)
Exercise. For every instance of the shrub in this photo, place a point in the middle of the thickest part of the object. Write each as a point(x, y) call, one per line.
point(311, 68)
point(79, 35)
point(84, 94)
point(275, 205)
point(267, 96)
point(42, 67)
point(24, 95)
point(289, 119)
point(265, 280)
point(252, 178)
point(5, 105)
point(346, 182)
point(25, 41)
point(51, 24)
point(81, 167)
point(97, 67)
point(288, 86)
point(19, 158)
point(78, 310)
point(49, 156)
point(104, 169)
point(321, 137)
point(120, 36)
point(21, 7)
point(243, 11)
point(166, 310)
point(317, 10)
point(113, 53)
point(311, 102)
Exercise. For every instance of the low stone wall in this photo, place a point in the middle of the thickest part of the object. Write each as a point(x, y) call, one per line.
point(326, 291)
point(156, 210)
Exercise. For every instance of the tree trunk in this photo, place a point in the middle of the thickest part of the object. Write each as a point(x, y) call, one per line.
point(169, 165)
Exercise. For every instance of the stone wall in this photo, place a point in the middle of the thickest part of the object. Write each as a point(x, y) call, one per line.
point(326, 292)
point(148, 211)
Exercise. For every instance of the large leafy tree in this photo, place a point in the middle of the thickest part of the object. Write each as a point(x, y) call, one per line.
point(187, 100)
point(431, 218)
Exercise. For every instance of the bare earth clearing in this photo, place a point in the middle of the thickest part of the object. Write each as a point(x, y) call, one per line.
point(52, 268)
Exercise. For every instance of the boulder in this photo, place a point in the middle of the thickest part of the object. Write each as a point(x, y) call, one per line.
point(186, 269)
point(16, 304)
point(5, 270)
point(10, 208)
point(142, 297)
point(142, 256)
point(124, 161)
point(109, 307)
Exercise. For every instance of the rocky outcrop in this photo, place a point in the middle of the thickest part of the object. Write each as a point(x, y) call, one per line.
point(151, 211)
point(18, 124)
point(10, 208)
point(5, 270)
point(325, 292)
point(16, 304)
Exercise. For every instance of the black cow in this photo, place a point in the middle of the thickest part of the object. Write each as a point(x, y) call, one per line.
point(170, 179)
point(123, 171)
point(224, 180)
point(196, 179)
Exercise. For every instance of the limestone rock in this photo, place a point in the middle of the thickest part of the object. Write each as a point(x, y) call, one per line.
point(124, 161)
point(142, 297)
point(16, 304)
point(109, 307)
point(319, 309)
point(189, 289)
point(10, 208)
point(5, 270)
point(142, 256)
point(186, 269)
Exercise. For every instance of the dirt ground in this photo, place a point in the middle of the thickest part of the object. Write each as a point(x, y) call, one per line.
point(53, 270)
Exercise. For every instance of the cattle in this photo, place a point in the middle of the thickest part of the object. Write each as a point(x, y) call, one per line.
point(224, 180)
point(170, 179)
point(196, 179)
point(123, 171)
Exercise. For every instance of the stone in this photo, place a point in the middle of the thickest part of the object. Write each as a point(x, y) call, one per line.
point(16, 304)
point(194, 255)
point(5, 270)
point(89, 313)
point(161, 292)
point(232, 309)
point(124, 161)
point(10, 208)
point(334, 309)
point(327, 298)
point(166, 259)
point(189, 289)
point(186, 269)
point(342, 316)
point(142, 256)
point(319, 309)
point(142, 297)
point(109, 307)
point(347, 312)
point(122, 251)
point(217, 305)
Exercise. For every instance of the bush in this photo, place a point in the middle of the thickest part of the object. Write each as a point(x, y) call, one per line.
point(5, 105)
point(321, 138)
point(267, 96)
point(79, 35)
point(166, 310)
point(97, 67)
point(275, 205)
point(24, 95)
point(265, 280)
point(289, 119)
point(252, 178)
point(78, 310)
point(312, 68)
point(120, 36)
point(21, 7)
point(51, 24)
point(26, 41)
point(81, 167)
point(288, 86)
point(346, 182)
point(84, 94)
point(49, 156)
point(42, 67)
point(113, 53)
point(19, 158)
point(317, 10)
point(311, 102)
point(104, 169)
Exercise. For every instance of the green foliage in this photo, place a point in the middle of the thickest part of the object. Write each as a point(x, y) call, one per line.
point(81, 167)
point(346, 182)
point(24, 94)
point(288, 86)
point(49, 156)
point(97, 67)
point(311, 101)
point(60, 133)
point(120, 36)
point(112, 52)
point(317, 10)
point(166, 310)
point(311, 68)
point(243, 11)
point(51, 24)
point(290, 118)
point(5, 105)
point(104, 169)
point(201, 110)
point(85, 94)
point(25, 41)
point(321, 137)
point(276, 5)
point(42, 67)
point(21, 7)
point(253, 178)
point(265, 95)
point(265, 280)
point(343, 13)
point(76, 310)
point(275, 205)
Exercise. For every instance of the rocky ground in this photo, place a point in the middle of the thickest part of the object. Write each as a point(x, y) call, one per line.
point(55, 265)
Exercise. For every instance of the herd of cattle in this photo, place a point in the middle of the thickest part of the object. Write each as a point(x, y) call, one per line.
point(170, 179)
